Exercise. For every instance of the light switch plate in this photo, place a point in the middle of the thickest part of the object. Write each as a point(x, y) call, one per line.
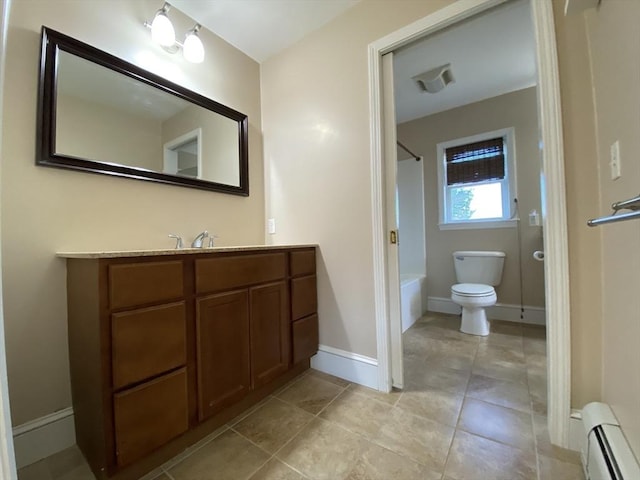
point(614, 163)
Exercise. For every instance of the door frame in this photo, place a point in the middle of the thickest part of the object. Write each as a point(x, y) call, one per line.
point(553, 199)
point(7, 455)
point(389, 141)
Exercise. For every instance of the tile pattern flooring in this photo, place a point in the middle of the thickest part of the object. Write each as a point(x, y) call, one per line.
point(473, 409)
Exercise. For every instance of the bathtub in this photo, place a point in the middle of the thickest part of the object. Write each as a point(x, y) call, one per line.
point(412, 293)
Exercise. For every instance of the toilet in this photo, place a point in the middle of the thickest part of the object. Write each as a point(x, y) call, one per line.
point(477, 273)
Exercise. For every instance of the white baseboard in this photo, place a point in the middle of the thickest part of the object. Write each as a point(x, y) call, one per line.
point(576, 431)
point(500, 311)
point(443, 305)
point(350, 366)
point(43, 437)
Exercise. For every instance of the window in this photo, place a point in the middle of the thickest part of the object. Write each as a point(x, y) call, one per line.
point(476, 177)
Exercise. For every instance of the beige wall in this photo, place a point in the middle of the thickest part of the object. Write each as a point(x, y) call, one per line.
point(614, 40)
point(517, 110)
point(45, 210)
point(316, 130)
point(583, 202)
point(118, 137)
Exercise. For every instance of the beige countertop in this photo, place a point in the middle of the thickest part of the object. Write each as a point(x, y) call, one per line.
point(174, 251)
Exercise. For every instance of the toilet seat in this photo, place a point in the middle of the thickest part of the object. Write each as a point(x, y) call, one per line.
point(473, 290)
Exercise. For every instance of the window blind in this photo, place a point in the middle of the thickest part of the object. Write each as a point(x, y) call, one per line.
point(475, 162)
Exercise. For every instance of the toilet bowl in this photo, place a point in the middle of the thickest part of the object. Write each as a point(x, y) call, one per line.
point(474, 298)
point(478, 272)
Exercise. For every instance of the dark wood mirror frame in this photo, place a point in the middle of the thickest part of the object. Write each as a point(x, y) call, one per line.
point(52, 43)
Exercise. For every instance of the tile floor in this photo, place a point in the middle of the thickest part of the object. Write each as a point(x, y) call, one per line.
point(473, 409)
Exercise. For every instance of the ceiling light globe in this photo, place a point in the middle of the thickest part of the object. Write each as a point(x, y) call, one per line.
point(193, 50)
point(162, 31)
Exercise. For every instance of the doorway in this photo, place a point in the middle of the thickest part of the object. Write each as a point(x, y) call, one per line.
point(553, 202)
point(183, 155)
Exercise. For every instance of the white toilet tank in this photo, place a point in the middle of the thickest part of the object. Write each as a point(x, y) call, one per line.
point(479, 267)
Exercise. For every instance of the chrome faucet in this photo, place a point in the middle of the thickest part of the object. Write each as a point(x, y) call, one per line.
point(212, 240)
point(197, 242)
point(178, 238)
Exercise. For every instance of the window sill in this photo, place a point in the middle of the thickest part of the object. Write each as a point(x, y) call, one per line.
point(479, 225)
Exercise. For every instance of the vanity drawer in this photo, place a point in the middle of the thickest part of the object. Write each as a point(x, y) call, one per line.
point(226, 273)
point(149, 415)
point(147, 342)
point(136, 284)
point(303, 262)
point(304, 300)
point(305, 338)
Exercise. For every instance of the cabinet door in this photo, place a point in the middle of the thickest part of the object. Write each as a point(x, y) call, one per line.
point(305, 338)
point(149, 415)
point(302, 262)
point(270, 333)
point(222, 323)
point(147, 342)
point(136, 284)
point(304, 297)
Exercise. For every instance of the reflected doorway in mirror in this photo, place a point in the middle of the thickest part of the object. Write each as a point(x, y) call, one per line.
point(183, 155)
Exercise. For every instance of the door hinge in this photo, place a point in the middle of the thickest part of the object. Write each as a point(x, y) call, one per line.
point(393, 237)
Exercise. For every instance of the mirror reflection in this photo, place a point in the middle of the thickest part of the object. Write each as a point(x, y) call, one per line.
point(105, 116)
point(101, 114)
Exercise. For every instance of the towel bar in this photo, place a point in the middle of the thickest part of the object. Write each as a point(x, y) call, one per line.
point(632, 204)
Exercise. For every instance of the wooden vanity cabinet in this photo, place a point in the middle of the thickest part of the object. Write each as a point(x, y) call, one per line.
point(163, 349)
point(304, 305)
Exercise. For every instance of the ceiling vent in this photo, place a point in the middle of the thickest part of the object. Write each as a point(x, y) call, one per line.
point(435, 79)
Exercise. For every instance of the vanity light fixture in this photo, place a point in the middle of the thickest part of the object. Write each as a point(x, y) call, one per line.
point(163, 33)
point(192, 49)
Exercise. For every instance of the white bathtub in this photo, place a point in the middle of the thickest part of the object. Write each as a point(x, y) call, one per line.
point(412, 293)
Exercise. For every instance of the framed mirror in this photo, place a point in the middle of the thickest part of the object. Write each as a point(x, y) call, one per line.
point(101, 114)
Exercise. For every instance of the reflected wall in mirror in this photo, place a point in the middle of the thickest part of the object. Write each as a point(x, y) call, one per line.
point(102, 114)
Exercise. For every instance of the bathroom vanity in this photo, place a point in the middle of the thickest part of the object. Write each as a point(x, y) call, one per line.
point(165, 346)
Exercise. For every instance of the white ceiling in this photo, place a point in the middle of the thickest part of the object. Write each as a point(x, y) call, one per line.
point(262, 28)
point(490, 54)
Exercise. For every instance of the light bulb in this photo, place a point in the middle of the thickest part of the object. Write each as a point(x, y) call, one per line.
point(162, 30)
point(193, 50)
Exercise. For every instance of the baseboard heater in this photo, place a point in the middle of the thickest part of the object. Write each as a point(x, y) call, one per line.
point(605, 452)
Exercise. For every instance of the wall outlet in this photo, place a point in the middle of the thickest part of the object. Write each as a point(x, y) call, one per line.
point(614, 163)
point(271, 226)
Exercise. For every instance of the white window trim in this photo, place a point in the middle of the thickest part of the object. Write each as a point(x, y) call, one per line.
point(470, 225)
point(510, 151)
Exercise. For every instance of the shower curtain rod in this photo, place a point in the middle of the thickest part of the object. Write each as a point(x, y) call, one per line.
point(408, 151)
